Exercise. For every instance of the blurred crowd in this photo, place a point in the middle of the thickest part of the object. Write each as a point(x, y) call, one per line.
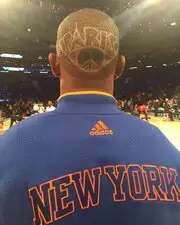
point(142, 105)
point(145, 104)
point(19, 110)
point(25, 108)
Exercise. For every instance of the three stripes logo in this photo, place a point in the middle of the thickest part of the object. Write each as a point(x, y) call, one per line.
point(100, 129)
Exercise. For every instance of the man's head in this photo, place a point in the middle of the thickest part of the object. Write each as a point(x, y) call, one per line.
point(87, 48)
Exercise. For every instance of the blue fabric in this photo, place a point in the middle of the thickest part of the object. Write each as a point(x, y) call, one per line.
point(47, 160)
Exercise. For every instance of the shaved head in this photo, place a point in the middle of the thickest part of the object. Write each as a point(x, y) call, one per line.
point(88, 44)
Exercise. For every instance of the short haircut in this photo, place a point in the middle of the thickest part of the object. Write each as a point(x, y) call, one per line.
point(88, 44)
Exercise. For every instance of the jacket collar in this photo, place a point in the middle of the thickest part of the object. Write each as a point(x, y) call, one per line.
point(93, 102)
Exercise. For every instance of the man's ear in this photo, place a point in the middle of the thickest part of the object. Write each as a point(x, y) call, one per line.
point(55, 64)
point(121, 62)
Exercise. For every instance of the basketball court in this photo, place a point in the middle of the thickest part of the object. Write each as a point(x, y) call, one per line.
point(170, 129)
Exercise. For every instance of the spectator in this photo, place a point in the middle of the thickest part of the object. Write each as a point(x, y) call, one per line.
point(156, 106)
point(50, 107)
point(36, 107)
point(41, 108)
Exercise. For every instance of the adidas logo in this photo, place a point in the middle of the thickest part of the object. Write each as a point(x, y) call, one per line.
point(100, 129)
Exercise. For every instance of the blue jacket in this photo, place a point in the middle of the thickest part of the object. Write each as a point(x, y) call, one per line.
point(87, 163)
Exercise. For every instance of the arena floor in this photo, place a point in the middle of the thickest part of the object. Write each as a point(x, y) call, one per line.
point(170, 129)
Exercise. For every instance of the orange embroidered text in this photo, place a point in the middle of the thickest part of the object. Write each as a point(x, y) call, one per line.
point(100, 129)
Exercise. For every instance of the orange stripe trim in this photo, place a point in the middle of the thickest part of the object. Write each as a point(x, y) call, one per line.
point(85, 93)
point(103, 125)
point(98, 127)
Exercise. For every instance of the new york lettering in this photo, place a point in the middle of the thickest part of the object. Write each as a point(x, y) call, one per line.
point(53, 200)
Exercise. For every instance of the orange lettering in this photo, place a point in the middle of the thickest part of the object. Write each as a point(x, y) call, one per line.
point(116, 175)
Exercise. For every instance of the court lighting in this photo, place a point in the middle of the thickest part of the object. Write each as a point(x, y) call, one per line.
point(133, 68)
point(4, 2)
point(153, 2)
point(173, 24)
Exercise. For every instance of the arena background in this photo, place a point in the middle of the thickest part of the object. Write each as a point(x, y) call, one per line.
point(150, 34)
